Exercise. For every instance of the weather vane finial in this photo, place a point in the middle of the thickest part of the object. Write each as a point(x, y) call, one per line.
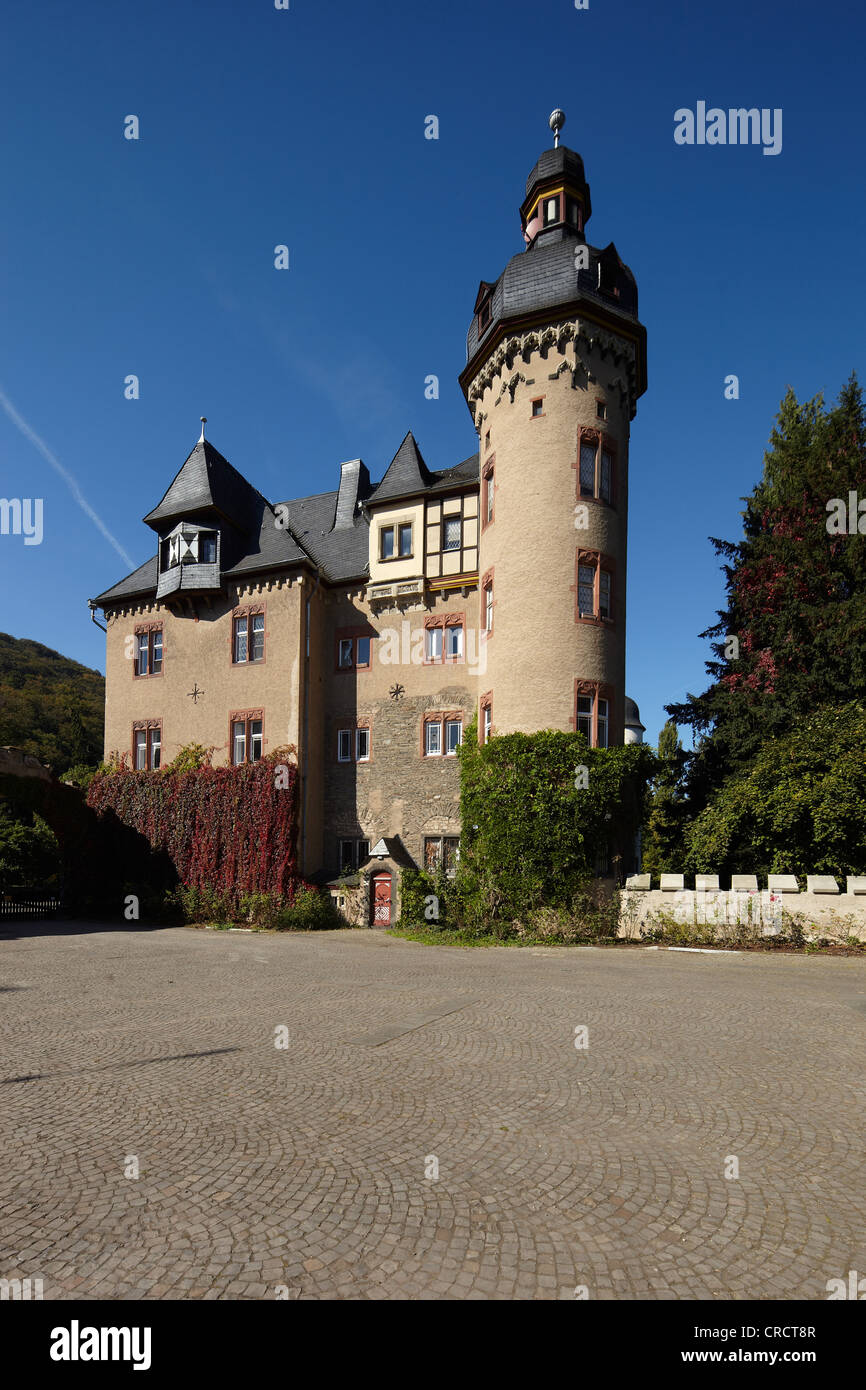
point(203, 419)
point(556, 122)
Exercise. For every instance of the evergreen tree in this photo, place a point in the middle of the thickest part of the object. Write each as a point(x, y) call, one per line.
point(791, 637)
point(663, 838)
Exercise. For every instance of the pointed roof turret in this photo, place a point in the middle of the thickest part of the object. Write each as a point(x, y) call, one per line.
point(207, 482)
point(407, 473)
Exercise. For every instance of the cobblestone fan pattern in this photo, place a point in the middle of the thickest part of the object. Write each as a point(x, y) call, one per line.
point(559, 1166)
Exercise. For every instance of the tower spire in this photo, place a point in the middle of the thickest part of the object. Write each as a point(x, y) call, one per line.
point(556, 122)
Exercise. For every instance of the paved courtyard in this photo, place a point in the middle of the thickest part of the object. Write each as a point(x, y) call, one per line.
point(312, 1166)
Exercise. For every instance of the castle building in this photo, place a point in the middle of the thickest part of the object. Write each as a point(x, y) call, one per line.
point(368, 625)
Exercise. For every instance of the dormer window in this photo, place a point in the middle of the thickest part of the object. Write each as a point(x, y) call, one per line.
point(189, 548)
point(572, 213)
point(551, 210)
point(484, 315)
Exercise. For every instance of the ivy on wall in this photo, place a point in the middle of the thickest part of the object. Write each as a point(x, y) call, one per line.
point(537, 810)
point(232, 830)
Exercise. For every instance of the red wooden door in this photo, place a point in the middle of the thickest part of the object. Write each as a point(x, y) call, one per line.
point(381, 905)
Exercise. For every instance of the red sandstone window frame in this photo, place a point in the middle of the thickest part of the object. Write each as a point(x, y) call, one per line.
point(488, 493)
point(600, 564)
point(603, 444)
point(152, 630)
point(444, 621)
point(533, 413)
point(249, 611)
point(597, 690)
point(247, 717)
point(442, 718)
point(486, 707)
point(487, 585)
point(148, 727)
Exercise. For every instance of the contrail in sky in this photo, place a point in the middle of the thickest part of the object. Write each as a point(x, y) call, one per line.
point(22, 425)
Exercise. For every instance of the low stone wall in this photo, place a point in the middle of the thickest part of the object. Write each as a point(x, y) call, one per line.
point(820, 914)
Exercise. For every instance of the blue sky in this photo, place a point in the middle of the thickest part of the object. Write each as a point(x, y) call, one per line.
point(306, 127)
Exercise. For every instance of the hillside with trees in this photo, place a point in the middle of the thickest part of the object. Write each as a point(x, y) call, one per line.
point(50, 706)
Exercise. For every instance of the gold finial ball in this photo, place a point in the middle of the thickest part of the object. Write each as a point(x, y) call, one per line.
point(557, 120)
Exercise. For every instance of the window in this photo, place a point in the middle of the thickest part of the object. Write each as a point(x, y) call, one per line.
point(489, 490)
point(537, 407)
point(606, 472)
point(441, 851)
point(486, 721)
point(487, 440)
point(488, 606)
point(586, 590)
point(405, 538)
point(572, 212)
point(601, 410)
point(595, 467)
point(443, 639)
point(353, 744)
point(443, 734)
point(601, 740)
point(147, 746)
point(551, 210)
point(207, 547)
point(484, 315)
point(249, 638)
point(452, 536)
point(604, 609)
point(247, 741)
point(148, 653)
point(587, 470)
point(594, 586)
point(592, 714)
point(353, 854)
point(353, 653)
point(584, 716)
point(386, 543)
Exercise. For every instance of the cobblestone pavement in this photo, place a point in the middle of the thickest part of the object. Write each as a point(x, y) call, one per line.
point(310, 1166)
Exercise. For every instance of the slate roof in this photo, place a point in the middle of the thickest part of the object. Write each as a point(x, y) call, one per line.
point(328, 530)
point(407, 473)
point(553, 163)
point(543, 277)
point(207, 482)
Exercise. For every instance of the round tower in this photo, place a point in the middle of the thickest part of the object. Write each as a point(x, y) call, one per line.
point(556, 362)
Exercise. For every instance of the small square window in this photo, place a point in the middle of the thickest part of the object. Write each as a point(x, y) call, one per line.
point(453, 529)
point(537, 408)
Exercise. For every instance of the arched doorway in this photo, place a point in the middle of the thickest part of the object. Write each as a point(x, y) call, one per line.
point(380, 900)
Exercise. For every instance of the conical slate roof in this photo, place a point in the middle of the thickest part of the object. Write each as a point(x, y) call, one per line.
point(207, 482)
point(407, 473)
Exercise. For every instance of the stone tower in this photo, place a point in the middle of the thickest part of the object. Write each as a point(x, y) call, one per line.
point(556, 363)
